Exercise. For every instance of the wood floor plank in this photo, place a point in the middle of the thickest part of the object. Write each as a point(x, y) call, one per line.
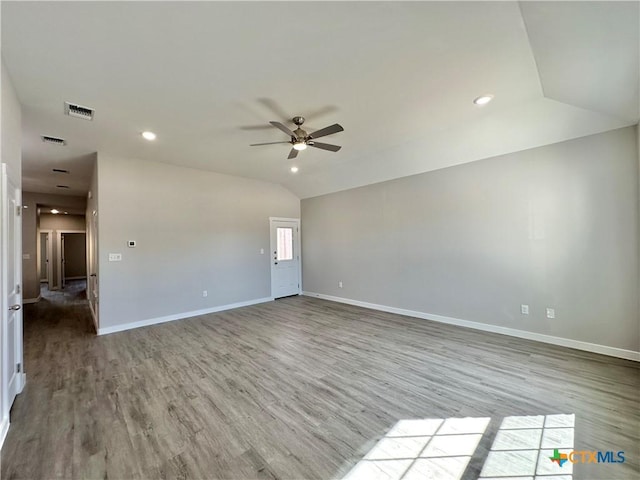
point(292, 389)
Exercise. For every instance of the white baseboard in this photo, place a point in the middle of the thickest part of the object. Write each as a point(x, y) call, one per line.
point(179, 316)
point(513, 332)
point(31, 300)
point(4, 429)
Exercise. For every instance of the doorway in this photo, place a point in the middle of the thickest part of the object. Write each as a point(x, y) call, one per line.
point(286, 270)
point(72, 256)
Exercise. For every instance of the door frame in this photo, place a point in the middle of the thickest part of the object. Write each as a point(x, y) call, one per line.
point(296, 247)
point(59, 251)
point(93, 286)
point(49, 233)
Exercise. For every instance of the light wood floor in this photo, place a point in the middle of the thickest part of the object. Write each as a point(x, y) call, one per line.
point(292, 389)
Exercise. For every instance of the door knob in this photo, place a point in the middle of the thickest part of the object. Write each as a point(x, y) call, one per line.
point(14, 307)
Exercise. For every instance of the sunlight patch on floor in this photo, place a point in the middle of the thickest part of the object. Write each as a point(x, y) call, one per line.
point(440, 449)
point(422, 449)
point(524, 446)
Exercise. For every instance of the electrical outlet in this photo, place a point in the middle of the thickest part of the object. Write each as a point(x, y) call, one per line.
point(524, 309)
point(339, 284)
point(205, 293)
point(551, 313)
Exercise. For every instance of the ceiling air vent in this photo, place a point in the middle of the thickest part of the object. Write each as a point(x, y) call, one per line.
point(54, 140)
point(78, 111)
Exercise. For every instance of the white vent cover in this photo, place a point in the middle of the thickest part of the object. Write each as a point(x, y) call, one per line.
point(78, 111)
point(54, 140)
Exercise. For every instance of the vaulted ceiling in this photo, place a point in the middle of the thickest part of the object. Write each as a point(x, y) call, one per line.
point(207, 77)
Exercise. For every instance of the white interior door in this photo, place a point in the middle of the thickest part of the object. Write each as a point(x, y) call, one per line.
point(285, 257)
point(12, 378)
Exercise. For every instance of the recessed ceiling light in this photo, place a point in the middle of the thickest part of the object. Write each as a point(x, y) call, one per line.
point(294, 169)
point(54, 211)
point(300, 145)
point(148, 135)
point(483, 100)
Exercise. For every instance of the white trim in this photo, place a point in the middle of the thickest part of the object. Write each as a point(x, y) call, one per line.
point(513, 332)
point(31, 300)
point(4, 429)
point(179, 316)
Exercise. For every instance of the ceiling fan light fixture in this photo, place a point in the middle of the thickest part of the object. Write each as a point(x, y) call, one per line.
point(300, 145)
point(483, 100)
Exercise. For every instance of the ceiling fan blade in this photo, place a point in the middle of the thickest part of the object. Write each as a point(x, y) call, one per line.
point(268, 143)
point(320, 112)
point(335, 128)
point(325, 146)
point(255, 127)
point(283, 128)
point(293, 153)
point(276, 109)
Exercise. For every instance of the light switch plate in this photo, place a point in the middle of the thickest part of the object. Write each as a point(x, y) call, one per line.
point(115, 257)
point(551, 313)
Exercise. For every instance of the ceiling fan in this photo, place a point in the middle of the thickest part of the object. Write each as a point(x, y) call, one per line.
point(300, 139)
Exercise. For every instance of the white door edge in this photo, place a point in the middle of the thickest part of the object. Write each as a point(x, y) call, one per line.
point(297, 248)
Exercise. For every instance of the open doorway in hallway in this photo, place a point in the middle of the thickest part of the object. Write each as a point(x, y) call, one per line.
point(62, 249)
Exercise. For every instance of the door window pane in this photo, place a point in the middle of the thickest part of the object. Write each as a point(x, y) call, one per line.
point(284, 249)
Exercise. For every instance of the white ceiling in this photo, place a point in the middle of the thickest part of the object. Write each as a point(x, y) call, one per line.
point(399, 76)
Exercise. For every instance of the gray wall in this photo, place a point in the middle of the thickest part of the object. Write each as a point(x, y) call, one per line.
point(10, 120)
point(195, 231)
point(554, 226)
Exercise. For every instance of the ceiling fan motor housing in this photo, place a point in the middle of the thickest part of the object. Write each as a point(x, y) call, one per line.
point(300, 134)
